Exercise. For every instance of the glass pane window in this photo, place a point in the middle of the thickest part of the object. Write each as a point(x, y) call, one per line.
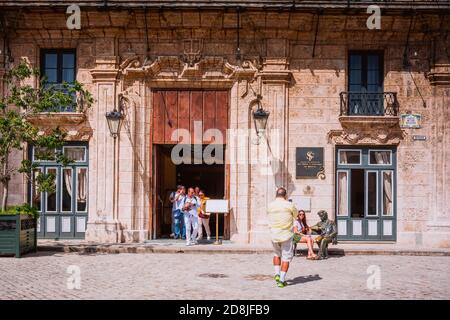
point(44, 154)
point(342, 193)
point(51, 60)
point(349, 157)
point(68, 60)
point(357, 193)
point(58, 65)
point(66, 190)
point(366, 70)
point(75, 154)
point(51, 196)
point(82, 184)
point(36, 196)
point(68, 75)
point(52, 75)
point(380, 157)
point(387, 187)
point(371, 193)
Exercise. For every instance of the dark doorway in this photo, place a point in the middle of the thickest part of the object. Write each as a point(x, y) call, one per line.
point(209, 177)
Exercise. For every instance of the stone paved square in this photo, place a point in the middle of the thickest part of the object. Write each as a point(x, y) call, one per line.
point(220, 276)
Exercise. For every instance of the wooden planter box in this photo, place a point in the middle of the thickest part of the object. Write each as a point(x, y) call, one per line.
point(18, 234)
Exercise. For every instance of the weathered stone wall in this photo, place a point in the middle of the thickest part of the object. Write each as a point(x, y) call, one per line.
point(300, 90)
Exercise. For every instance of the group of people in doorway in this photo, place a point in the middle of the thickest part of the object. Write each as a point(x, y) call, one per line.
point(189, 215)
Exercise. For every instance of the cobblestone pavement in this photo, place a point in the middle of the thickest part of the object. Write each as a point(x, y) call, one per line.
point(221, 276)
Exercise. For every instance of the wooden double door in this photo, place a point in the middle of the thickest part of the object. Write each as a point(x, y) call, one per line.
point(193, 118)
point(178, 112)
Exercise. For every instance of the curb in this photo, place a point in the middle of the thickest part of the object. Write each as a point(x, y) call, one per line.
point(94, 249)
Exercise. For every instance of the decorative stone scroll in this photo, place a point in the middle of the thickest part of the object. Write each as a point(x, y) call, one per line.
point(367, 130)
point(174, 68)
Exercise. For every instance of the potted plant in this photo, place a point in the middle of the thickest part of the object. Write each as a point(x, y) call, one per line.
point(18, 232)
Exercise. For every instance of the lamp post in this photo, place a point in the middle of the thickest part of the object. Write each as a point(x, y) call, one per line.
point(260, 117)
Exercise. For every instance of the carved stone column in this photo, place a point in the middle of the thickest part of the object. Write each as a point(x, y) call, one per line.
point(103, 224)
point(270, 171)
point(438, 225)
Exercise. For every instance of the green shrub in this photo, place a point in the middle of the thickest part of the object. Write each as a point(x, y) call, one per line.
point(22, 209)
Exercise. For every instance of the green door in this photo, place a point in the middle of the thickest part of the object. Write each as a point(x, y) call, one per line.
point(366, 193)
point(64, 212)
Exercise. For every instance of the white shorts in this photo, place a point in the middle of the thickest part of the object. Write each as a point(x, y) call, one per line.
point(284, 250)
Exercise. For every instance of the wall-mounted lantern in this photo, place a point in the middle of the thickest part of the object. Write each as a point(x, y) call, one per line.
point(260, 117)
point(114, 119)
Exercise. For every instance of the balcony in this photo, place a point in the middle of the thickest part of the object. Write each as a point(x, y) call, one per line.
point(369, 104)
point(368, 119)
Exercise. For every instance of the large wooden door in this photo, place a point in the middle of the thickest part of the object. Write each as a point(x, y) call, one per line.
point(178, 109)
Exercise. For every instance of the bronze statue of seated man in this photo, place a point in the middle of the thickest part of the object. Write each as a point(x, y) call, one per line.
point(327, 231)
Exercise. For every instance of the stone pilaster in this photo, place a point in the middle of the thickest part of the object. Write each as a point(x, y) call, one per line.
point(103, 223)
point(271, 170)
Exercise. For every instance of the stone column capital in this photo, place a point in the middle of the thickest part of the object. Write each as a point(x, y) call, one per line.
point(106, 69)
point(276, 70)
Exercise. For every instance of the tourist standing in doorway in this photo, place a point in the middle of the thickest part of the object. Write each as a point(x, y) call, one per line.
point(281, 214)
point(176, 198)
point(190, 207)
point(203, 217)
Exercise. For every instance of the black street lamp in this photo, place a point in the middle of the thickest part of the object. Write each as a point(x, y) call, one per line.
point(114, 119)
point(260, 117)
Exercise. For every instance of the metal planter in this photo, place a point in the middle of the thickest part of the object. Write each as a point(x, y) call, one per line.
point(18, 234)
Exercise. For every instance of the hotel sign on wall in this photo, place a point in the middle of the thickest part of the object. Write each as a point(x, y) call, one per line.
point(308, 163)
point(410, 121)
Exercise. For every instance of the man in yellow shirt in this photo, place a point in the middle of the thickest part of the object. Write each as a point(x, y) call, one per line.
point(281, 214)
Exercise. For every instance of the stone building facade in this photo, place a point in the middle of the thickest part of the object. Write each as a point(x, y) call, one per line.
point(381, 181)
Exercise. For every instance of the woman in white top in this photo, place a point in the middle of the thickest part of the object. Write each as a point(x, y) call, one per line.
point(302, 234)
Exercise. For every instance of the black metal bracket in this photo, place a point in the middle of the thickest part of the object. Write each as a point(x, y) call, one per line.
point(319, 13)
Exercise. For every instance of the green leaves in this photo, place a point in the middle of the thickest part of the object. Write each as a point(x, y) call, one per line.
point(16, 130)
point(47, 97)
point(22, 209)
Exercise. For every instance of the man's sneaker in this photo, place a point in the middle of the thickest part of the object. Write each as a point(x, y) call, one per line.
point(277, 278)
point(188, 243)
point(194, 242)
point(208, 238)
point(281, 284)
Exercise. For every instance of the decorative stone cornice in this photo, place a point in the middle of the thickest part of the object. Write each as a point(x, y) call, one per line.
point(74, 124)
point(174, 68)
point(367, 130)
point(439, 75)
point(57, 118)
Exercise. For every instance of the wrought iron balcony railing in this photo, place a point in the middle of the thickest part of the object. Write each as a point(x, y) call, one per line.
point(71, 107)
point(369, 104)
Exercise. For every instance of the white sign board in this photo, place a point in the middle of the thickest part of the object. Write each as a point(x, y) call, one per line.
point(216, 206)
point(302, 203)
